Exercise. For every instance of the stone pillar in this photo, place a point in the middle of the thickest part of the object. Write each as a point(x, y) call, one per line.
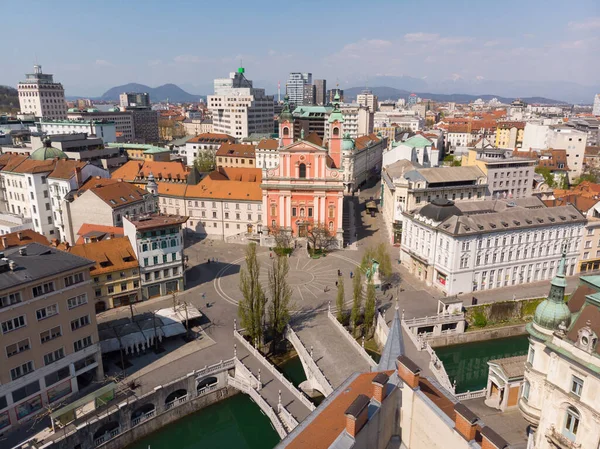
point(281, 217)
point(316, 208)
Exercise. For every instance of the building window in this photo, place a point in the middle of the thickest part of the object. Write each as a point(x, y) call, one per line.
point(53, 356)
point(576, 385)
point(80, 322)
point(530, 355)
point(302, 170)
point(47, 312)
point(50, 334)
point(22, 370)
point(43, 289)
point(525, 391)
point(18, 347)
point(9, 300)
point(83, 343)
point(73, 279)
point(571, 423)
point(13, 324)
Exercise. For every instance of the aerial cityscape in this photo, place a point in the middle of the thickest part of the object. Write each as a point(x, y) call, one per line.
point(262, 226)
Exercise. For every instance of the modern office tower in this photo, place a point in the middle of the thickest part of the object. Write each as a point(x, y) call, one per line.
point(320, 92)
point(41, 96)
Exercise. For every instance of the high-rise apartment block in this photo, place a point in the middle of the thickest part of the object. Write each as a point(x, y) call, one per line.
point(320, 92)
point(134, 99)
point(41, 96)
point(239, 109)
point(48, 326)
point(309, 94)
point(294, 87)
point(596, 108)
point(368, 99)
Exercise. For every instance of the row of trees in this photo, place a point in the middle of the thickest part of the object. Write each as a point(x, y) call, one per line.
point(256, 317)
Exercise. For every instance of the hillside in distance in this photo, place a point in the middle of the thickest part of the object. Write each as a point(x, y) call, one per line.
point(171, 92)
point(9, 99)
point(391, 93)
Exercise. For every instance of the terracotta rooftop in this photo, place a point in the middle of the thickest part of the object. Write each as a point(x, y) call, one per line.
point(509, 125)
point(113, 192)
point(98, 231)
point(65, 168)
point(362, 142)
point(314, 138)
point(171, 189)
point(158, 221)
point(134, 170)
point(21, 238)
point(212, 138)
point(589, 316)
point(580, 202)
point(329, 419)
point(268, 144)
point(437, 397)
point(236, 150)
point(577, 299)
point(109, 255)
point(229, 184)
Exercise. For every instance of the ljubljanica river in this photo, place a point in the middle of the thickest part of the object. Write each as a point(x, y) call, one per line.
point(236, 422)
point(467, 363)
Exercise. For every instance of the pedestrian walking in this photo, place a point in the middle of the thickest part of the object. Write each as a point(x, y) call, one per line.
point(203, 295)
point(336, 284)
point(351, 275)
point(208, 261)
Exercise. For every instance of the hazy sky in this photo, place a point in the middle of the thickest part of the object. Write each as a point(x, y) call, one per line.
point(91, 46)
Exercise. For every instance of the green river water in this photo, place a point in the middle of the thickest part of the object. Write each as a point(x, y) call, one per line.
point(467, 363)
point(236, 422)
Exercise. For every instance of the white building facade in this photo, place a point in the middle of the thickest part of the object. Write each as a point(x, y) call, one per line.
point(294, 87)
point(574, 142)
point(41, 96)
point(471, 246)
point(238, 109)
point(106, 130)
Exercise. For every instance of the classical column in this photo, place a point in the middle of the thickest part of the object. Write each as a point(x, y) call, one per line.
point(288, 213)
point(289, 165)
point(340, 208)
point(281, 217)
point(316, 209)
point(323, 208)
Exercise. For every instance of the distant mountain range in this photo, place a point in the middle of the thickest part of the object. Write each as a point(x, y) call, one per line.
point(171, 92)
point(390, 93)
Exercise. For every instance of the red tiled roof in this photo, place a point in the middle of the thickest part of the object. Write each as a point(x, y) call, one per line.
point(21, 238)
point(113, 192)
point(212, 138)
point(268, 144)
point(88, 228)
point(236, 150)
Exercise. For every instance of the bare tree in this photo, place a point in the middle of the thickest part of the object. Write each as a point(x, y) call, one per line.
point(369, 308)
point(320, 238)
point(339, 300)
point(251, 308)
point(357, 298)
point(283, 239)
point(281, 293)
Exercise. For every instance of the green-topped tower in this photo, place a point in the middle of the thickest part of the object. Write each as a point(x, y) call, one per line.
point(336, 124)
point(286, 124)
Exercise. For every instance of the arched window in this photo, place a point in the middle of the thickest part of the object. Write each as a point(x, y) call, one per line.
point(286, 131)
point(525, 390)
point(336, 131)
point(302, 171)
point(571, 423)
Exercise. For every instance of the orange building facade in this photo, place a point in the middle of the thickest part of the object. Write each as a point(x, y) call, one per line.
point(306, 188)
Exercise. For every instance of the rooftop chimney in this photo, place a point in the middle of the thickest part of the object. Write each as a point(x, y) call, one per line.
point(357, 415)
point(23, 251)
point(408, 371)
point(4, 242)
point(379, 387)
point(464, 421)
point(491, 440)
point(12, 265)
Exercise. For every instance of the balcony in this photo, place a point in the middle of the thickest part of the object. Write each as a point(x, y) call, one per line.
point(558, 440)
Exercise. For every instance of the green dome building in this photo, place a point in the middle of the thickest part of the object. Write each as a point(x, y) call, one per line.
point(347, 143)
point(286, 115)
point(47, 152)
point(553, 311)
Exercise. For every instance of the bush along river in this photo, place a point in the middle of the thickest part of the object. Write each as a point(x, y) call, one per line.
point(236, 422)
point(467, 363)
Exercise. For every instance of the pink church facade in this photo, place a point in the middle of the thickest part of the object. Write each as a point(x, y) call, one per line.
point(306, 188)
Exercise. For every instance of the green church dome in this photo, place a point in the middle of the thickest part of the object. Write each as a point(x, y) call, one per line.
point(47, 152)
point(286, 115)
point(347, 143)
point(553, 311)
point(73, 110)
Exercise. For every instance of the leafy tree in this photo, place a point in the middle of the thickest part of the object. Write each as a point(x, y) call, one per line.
point(456, 163)
point(339, 300)
point(281, 293)
point(370, 308)
point(251, 308)
point(381, 255)
point(547, 174)
point(283, 239)
point(205, 161)
point(357, 299)
point(320, 238)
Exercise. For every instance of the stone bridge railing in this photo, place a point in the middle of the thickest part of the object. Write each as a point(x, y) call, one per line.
point(256, 353)
point(364, 354)
point(256, 397)
point(313, 373)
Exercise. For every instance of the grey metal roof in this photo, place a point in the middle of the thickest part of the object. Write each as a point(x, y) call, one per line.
point(394, 346)
point(451, 174)
point(39, 262)
point(399, 168)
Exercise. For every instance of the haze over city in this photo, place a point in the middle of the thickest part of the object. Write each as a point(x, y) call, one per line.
point(510, 48)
